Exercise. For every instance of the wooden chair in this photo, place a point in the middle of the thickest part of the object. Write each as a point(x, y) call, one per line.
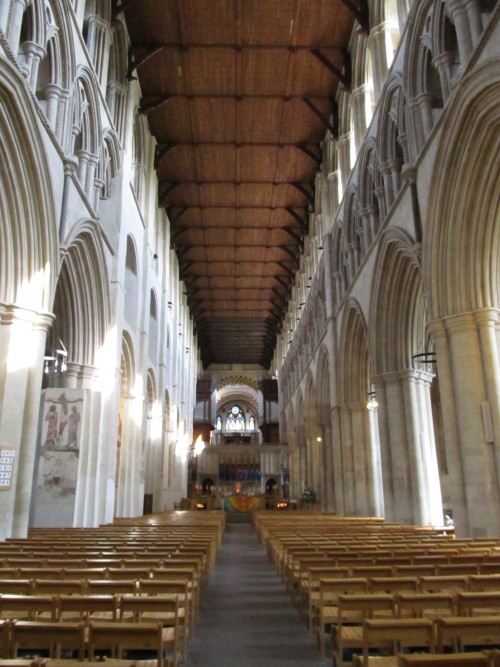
point(108, 587)
point(326, 611)
point(5, 642)
point(459, 632)
point(34, 637)
point(162, 609)
point(473, 603)
point(117, 638)
point(393, 635)
point(439, 583)
point(27, 607)
point(58, 587)
point(429, 605)
point(444, 660)
point(392, 584)
point(16, 586)
point(72, 608)
point(479, 582)
point(347, 631)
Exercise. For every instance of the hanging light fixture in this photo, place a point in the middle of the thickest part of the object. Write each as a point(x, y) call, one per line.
point(425, 361)
point(54, 361)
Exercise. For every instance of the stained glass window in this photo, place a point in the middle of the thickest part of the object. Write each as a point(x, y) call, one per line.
point(218, 423)
point(251, 423)
point(235, 420)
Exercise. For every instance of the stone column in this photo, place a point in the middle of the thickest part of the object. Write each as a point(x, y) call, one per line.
point(344, 144)
point(338, 465)
point(460, 19)
point(381, 50)
point(22, 344)
point(360, 103)
point(465, 353)
point(407, 444)
point(348, 474)
point(14, 24)
point(328, 467)
point(474, 20)
point(333, 189)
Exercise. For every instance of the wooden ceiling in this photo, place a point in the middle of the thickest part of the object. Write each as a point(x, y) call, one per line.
point(239, 95)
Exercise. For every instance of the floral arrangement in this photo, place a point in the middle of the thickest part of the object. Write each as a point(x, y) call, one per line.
point(308, 495)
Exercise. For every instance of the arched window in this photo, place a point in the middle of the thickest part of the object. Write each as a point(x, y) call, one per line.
point(153, 327)
point(235, 420)
point(131, 283)
point(218, 423)
point(251, 423)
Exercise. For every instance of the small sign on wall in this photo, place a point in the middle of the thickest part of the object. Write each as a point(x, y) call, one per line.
point(6, 464)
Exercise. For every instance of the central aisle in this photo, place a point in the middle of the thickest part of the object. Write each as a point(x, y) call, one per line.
point(247, 619)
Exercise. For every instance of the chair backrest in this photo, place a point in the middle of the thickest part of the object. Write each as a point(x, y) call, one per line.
point(86, 605)
point(473, 659)
point(27, 607)
point(108, 587)
point(47, 636)
point(484, 602)
point(59, 586)
point(462, 631)
point(396, 634)
point(16, 586)
point(119, 637)
point(430, 605)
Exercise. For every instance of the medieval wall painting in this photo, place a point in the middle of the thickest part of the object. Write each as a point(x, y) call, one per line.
point(61, 418)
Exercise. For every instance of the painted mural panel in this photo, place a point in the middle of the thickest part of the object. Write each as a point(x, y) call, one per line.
point(60, 441)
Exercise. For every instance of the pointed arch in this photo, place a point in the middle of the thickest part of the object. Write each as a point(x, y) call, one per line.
point(30, 251)
point(354, 371)
point(398, 309)
point(82, 303)
point(462, 241)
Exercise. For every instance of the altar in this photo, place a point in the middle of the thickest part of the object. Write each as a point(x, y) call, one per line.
point(242, 503)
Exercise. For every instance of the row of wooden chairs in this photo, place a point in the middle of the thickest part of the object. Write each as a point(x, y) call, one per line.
point(390, 642)
point(154, 642)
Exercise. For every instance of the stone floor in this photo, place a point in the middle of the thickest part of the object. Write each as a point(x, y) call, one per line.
point(246, 618)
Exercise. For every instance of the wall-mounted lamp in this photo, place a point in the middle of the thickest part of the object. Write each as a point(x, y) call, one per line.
point(155, 255)
point(319, 439)
point(371, 401)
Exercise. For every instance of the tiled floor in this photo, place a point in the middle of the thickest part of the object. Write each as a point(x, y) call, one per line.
point(247, 619)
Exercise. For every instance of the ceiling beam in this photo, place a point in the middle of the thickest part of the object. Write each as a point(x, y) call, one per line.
point(118, 9)
point(323, 118)
point(344, 77)
point(146, 53)
point(193, 181)
point(250, 144)
point(315, 157)
point(303, 223)
point(238, 208)
point(162, 150)
point(361, 13)
point(295, 236)
point(238, 48)
point(301, 188)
